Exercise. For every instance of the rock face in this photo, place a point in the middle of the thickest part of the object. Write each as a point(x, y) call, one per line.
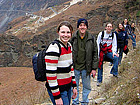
point(17, 52)
point(10, 50)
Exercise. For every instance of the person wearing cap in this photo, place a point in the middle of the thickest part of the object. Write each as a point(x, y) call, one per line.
point(85, 59)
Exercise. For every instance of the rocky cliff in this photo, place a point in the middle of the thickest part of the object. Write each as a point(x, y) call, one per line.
point(11, 9)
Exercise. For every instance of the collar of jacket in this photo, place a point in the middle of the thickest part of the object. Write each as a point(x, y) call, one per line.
point(75, 35)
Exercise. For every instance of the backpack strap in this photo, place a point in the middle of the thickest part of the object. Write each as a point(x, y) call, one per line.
point(57, 42)
point(53, 42)
point(112, 35)
point(92, 39)
point(102, 35)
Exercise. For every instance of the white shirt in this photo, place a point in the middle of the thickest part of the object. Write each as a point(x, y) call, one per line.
point(107, 39)
point(125, 25)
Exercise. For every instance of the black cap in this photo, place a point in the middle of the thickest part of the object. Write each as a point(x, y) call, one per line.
point(82, 20)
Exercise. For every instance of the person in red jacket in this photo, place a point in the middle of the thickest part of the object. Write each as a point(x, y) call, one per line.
point(107, 51)
point(59, 67)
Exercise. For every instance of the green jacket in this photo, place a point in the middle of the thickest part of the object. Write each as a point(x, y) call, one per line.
point(91, 51)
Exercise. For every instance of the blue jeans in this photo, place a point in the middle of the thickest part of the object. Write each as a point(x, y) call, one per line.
point(120, 55)
point(133, 39)
point(86, 87)
point(65, 95)
point(114, 69)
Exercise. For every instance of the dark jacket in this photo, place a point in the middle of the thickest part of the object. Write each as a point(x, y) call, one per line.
point(122, 38)
point(91, 51)
point(128, 29)
point(133, 29)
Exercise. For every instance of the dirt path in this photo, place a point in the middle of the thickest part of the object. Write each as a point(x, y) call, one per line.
point(95, 90)
point(18, 85)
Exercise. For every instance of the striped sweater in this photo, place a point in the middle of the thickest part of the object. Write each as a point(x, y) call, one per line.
point(59, 69)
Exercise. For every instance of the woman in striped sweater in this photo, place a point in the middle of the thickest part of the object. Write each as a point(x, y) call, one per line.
point(59, 67)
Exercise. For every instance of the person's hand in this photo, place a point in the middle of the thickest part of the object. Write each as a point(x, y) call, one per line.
point(59, 101)
point(93, 72)
point(115, 55)
point(74, 93)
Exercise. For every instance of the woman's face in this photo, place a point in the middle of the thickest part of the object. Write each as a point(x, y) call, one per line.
point(133, 25)
point(125, 21)
point(109, 28)
point(120, 26)
point(64, 34)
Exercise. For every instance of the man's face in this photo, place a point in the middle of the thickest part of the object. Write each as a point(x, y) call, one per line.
point(109, 28)
point(82, 28)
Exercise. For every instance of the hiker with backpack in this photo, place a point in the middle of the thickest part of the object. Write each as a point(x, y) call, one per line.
point(129, 32)
point(107, 51)
point(84, 58)
point(59, 67)
point(122, 40)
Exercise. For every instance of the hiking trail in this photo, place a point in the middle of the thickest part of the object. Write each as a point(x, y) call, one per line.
point(95, 91)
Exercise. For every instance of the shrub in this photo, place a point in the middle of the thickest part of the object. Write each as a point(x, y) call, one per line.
point(138, 14)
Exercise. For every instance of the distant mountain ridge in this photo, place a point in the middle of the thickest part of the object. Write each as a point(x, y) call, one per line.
point(11, 9)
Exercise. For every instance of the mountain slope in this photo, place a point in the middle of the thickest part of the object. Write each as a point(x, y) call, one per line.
point(34, 31)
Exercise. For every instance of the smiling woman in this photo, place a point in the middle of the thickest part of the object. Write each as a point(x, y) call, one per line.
point(65, 32)
point(59, 67)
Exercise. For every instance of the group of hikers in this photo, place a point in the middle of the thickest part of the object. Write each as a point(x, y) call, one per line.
point(79, 56)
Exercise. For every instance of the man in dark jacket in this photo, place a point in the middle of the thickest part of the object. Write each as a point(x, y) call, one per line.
point(85, 59)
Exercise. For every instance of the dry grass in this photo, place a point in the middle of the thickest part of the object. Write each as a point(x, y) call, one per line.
point(18, 87)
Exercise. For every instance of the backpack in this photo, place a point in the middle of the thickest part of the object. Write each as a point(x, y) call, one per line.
point(38, 61)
